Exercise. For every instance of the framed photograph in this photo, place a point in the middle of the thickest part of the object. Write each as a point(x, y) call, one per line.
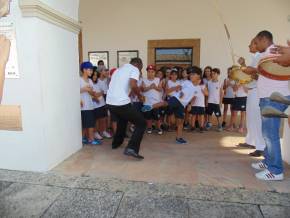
point(124, 57)
point(95, 56)
point(173, 56)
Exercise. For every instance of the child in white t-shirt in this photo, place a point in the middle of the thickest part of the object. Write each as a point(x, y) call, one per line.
point(173, 85)
point(228, 99)
point(206, 77)
point(185, 77)
point(215, 95)
point(152, 92)
point(100, 110)
point(87, 105)
point(103, 80)
point(240, 104)
point(197, 105)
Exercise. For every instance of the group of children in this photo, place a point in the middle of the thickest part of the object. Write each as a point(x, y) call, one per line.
point(173, 99)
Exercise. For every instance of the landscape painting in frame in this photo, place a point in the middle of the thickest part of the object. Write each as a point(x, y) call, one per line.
point(172, 56)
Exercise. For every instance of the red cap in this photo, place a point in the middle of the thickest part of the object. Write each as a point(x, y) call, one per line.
point(150, 67)
point(112, 71)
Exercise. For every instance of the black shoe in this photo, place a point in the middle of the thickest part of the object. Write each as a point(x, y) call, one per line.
point(132, 153)
point(256, 153)
point(201, 130)
point(116, 146)
point(245, 145)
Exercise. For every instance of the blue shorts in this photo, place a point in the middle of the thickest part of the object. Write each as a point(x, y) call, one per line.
point(176, 108)
point(154, 114)
point(197, 110)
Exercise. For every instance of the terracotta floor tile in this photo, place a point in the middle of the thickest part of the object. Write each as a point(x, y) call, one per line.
point(210, 158)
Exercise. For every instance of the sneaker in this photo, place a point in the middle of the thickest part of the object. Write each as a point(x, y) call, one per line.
point(224, 124)
point(149, 131)
point(146, 108)
point(85, 140)
point(192, 129)
point(259, 166)
point(106, 135)
point(98, 136)
point(220, 128)
point(94, 142)
point(159, 131)
point(266, 175)
point(208, 126)
point(186, 127)
point(180, 141)
point(201, 130)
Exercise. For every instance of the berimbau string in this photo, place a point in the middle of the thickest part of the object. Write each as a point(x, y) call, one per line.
point(226, 30)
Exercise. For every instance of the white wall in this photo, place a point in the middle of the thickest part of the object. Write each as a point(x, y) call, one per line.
point(128, 24)
point(48, 92)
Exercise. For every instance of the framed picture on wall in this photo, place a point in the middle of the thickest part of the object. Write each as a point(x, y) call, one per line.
point(124, 57)
point(173, 56)
point(95, 56)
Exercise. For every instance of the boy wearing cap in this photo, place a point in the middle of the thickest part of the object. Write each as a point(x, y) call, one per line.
point(152, 89)
point(87, 105)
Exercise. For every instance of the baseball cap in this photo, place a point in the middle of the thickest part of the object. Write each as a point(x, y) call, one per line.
point(86, 65)
point(150, 67)
point(112, 71)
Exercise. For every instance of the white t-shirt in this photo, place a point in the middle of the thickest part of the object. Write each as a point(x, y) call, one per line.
point(199, 96)
point(152, 96)
point(214, 89)
point(101, 100)
point(255, 60)
point(104, 85)
point(171, 84)
point(241, 92)
point(267, 86)
point(188, 93)
point(86, 98)
point(205, 81)
point(119, 88)
point(134, 98)
point(229, 92)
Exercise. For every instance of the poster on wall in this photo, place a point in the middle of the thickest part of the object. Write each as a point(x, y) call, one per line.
point(124, 57)
point(8, 30)
point(95, 56)
point(10, 115)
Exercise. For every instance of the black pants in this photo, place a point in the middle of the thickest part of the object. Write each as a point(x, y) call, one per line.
point(124, 114)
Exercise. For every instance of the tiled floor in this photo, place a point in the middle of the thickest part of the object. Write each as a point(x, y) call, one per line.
point(210, 159)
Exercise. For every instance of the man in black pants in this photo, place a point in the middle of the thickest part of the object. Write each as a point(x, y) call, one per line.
point(119, 103)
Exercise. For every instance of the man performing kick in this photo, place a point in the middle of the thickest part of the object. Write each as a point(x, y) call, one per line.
point(119, 103)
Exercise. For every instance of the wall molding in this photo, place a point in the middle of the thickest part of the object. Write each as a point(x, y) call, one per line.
point(36, 8)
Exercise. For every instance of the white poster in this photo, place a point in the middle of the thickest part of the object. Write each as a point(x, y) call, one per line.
point(12, 70)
